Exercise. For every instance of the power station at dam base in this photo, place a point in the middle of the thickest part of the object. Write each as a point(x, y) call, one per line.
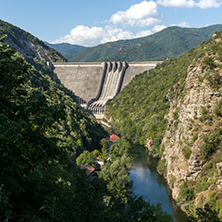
point(94, 84)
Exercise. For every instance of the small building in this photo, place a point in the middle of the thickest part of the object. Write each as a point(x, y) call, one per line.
point(89, 171)
point(100, 161)
point(112, 138)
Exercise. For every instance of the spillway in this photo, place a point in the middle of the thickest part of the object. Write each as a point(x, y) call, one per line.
point(111, 86)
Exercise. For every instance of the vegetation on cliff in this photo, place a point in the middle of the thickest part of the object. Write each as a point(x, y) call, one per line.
point(176, 112)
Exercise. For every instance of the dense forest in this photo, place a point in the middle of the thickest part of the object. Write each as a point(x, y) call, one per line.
point(42, 134)
point(42, 129)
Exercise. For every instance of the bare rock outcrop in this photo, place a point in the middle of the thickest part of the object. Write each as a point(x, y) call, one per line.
point(185, 130)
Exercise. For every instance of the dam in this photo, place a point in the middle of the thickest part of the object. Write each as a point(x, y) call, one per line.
point(94, 83)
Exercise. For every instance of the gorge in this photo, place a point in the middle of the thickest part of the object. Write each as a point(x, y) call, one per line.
point(175, 113)
point(174, 110)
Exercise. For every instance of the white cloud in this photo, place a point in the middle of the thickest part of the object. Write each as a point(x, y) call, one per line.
point(142, 14)
point(208, 4)
point(203, 4)
point(143, 33)
point(183, 24)
point(177, 3)
point(158, 28)
point(83, 35)
point(113, 34)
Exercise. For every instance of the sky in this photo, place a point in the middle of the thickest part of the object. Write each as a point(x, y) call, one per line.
point(94, 22)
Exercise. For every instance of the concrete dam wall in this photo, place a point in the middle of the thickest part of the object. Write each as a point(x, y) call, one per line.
point(96, 83)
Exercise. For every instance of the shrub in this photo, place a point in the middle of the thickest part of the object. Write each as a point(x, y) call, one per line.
point(201, 185)
point(218, 109)
point(195, 136)
point(185, 192)
point(204, 114)
point(209, 62)
point(213, 142)
point(161, 168)
point(187, 152)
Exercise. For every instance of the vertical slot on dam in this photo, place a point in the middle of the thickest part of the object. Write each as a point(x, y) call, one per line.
point(111, 86)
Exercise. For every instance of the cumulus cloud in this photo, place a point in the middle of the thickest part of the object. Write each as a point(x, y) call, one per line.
point(143, 33)
point(208, 4)
point(84, 35)
point(158, 28)
point(183, 24)
point(203, 4)
point(177, 3)
point(142, 14)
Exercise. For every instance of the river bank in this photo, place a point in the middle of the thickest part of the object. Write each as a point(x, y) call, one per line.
point(152, 186)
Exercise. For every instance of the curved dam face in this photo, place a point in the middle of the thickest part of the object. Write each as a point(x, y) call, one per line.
point(96, 83)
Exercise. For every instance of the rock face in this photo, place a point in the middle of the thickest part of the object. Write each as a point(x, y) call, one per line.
point(29, 45)
point(187, 125)
point(35, 50)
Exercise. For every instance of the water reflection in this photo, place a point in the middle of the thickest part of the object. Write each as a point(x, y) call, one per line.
point(150, 185)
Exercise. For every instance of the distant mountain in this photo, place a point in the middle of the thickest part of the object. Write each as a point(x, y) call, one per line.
point(65, 48)
point(168, 43)
point(29, 45)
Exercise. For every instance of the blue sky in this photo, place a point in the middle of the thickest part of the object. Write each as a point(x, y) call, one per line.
point(93, 22)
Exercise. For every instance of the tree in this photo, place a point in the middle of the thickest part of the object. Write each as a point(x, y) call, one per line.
point(85, 158)
point(137, 209)
point(105, 144)
point(207, 214)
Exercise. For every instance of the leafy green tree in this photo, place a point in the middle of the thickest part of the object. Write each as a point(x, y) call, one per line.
point(137, 209)
point(96, 153)
point(207, 214)
point(116, 171)
point(85, 158)
point(105, 144)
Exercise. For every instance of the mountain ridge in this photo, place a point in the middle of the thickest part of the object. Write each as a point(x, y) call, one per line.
point(167, 43)
point(66, 48)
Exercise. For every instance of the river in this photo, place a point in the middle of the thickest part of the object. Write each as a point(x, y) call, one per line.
point(152, 186)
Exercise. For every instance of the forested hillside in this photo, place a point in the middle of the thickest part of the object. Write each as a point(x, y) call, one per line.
point(42, 132)
point(66, 49)
point(175, 111)
point(168, 43)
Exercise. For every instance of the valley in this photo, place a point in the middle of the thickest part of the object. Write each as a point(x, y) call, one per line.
point(172, 110)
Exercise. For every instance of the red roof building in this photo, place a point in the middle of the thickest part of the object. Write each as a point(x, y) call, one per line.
point(113, 137)
point(100, 161)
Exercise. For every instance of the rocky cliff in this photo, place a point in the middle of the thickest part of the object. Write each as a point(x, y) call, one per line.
point(192, 155)
point(28, 45)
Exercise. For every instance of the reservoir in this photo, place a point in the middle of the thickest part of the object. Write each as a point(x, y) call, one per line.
point(152, 186)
